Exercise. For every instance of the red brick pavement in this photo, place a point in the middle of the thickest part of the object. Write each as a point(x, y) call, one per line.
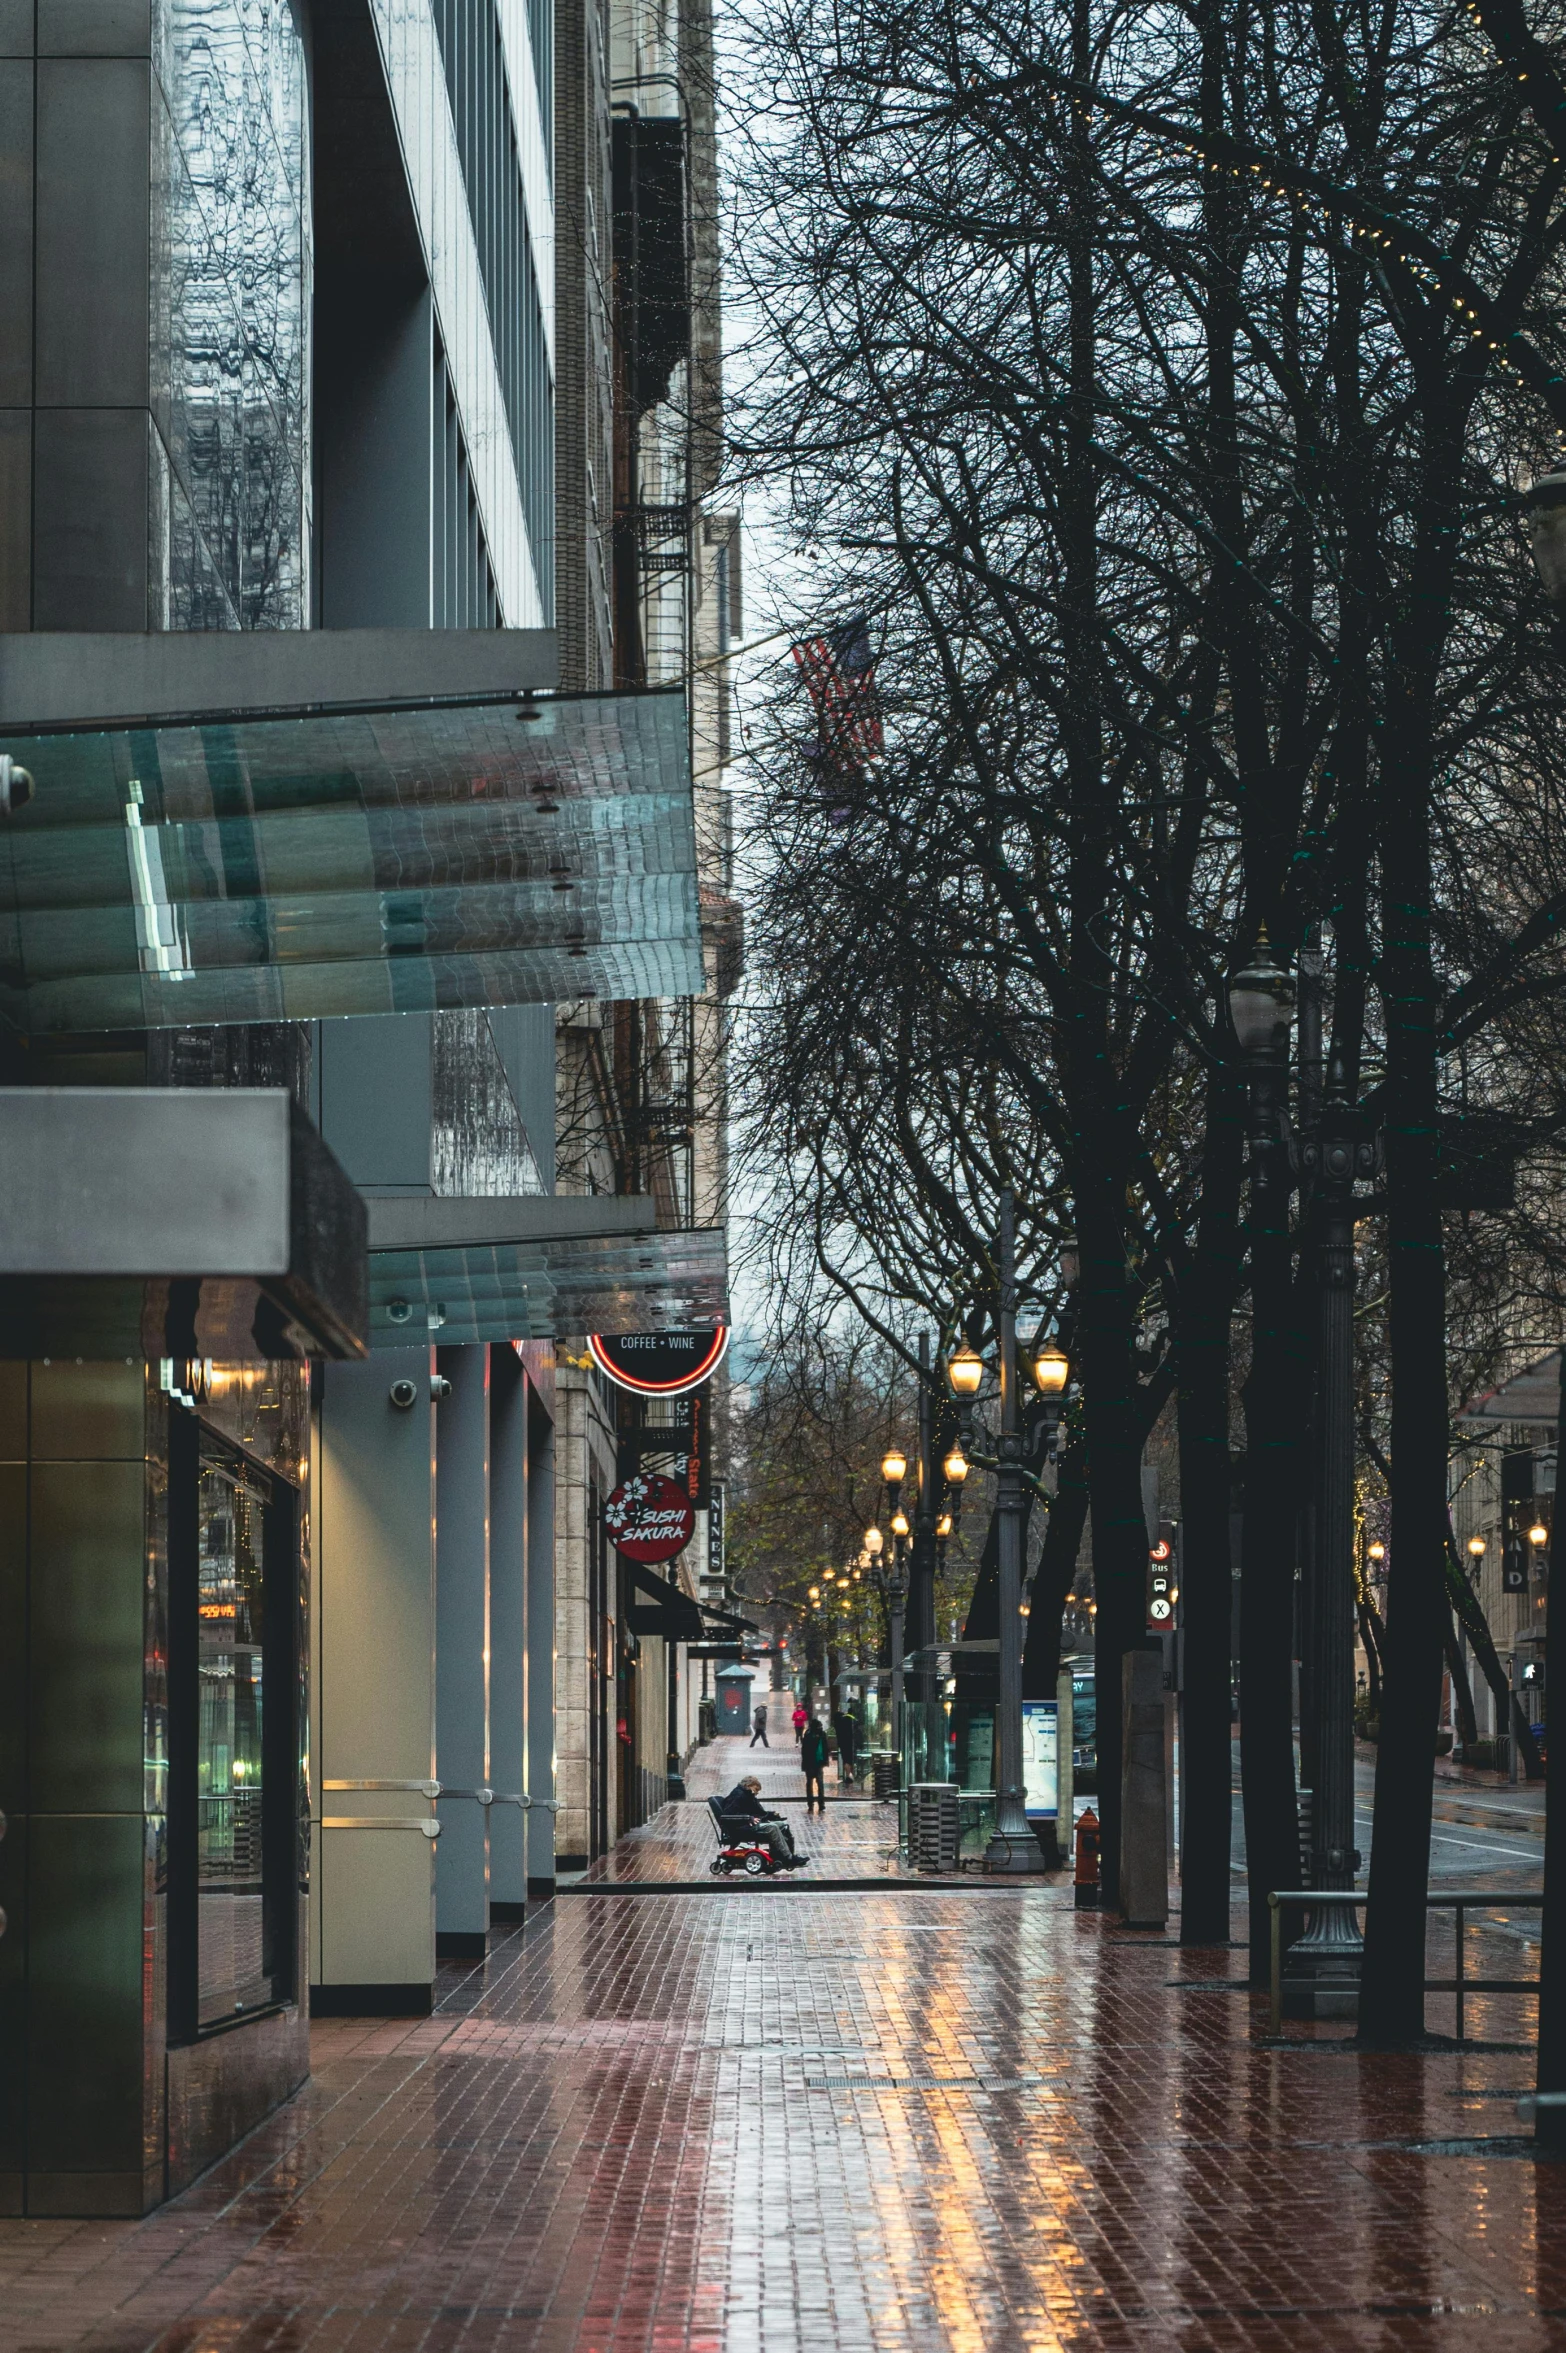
point(900, 2119)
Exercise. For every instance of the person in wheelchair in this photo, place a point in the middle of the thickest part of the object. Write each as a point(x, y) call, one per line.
point(744, 1803)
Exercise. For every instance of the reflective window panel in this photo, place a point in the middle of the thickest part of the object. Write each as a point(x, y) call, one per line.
point(232, 1961)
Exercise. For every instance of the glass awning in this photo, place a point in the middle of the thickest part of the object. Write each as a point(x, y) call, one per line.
point(536, 1290)
point(491, 852)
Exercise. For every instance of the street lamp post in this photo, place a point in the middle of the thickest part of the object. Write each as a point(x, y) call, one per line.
point(921, 1591)
point(1260, 1005)
point(1013, 1847)
point(1331, 1949)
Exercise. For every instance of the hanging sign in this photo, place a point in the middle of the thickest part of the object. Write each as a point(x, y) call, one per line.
point(649, 1518)
point(1160, 1586)
point(659, 1364)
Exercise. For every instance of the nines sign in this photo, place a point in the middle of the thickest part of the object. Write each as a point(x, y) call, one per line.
point(659, 1364)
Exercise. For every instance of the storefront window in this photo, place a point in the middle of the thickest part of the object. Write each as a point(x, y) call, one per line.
point(234, 1717)
point(230, 1755)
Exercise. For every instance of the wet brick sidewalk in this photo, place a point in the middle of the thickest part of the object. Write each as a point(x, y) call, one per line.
point(961, 2118)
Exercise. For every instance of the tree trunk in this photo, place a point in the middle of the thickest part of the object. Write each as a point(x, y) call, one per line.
point(1114, 1459)
point(1052, 1579)
point(1206, 1300)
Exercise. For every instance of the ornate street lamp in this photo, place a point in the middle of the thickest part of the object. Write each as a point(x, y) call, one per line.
point(1261, 998)
point(1013, 1848)
point(894, 1466)
point(964, 1372)
point(873, 1541)
point(1341, 1149)
point(954, 1470)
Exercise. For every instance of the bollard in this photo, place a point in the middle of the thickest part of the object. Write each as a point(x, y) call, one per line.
point(1087, 1862)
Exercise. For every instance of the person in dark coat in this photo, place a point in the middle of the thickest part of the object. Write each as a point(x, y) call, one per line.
point(758, 1728)
point(745, 1802)
point(813, 1752)
point(847, 1731)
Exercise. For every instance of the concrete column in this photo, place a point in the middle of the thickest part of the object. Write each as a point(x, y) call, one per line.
point(462, 1640)
point(540, 1650)
point(373, 1915)
point(508, 1642)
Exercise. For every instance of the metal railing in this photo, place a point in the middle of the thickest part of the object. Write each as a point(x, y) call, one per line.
point(1460, 1900)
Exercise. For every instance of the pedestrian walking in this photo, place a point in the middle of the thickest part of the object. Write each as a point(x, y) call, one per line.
point(813, 1754)
point(847, 1730)
point(758, 1728)
point(801, 1719)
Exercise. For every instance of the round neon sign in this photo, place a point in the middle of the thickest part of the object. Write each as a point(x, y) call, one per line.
point(659, 1364)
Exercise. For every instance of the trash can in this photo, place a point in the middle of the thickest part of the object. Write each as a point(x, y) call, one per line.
point(886, 1766)
point(934, 1825)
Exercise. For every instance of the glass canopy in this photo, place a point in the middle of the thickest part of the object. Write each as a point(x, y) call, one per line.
point(488, 853)
point(533, 1290)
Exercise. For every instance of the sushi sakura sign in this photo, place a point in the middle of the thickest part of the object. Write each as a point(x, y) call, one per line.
point(649, 1519)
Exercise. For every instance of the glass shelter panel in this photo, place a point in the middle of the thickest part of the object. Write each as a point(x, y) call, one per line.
point(382, 861)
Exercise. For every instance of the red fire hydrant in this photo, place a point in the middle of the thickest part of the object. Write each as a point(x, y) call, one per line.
point(1087, 1862)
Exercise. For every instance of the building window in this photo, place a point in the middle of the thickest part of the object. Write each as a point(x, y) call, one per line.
point(234, 1732)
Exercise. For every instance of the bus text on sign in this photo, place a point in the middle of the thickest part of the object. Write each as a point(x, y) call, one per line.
point(1160, 1586)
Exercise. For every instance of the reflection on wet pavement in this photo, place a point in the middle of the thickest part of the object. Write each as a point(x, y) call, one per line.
point(908, 2118)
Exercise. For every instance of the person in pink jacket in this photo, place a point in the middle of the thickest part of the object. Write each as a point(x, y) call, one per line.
point(801, 1718)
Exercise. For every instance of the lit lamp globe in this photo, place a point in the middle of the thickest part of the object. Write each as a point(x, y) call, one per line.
point(1544, 504)
point(943, 1526)
point(955, 1468)
point(1376, 1552)
point(1261, 1000)
point(1476, 1548)
point(1051, 1369)
point(899, 1523)
point(815, 1593)
point(964, 1372)
point(873, 1541)
point(1538, 1535)
point(894, 1467)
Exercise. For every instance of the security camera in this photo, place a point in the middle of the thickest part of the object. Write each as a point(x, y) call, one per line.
point(440, 1386)
point(403, 1394)
point(16, 786)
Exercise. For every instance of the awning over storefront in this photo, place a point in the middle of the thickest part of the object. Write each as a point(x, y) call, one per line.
point(480, 852)
point(536, 1266)
point(666, 1608)
point(179, 1224)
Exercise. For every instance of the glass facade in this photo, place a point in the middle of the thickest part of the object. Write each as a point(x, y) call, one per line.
point(473, 55)
point(230, 316)
point(234, 1967)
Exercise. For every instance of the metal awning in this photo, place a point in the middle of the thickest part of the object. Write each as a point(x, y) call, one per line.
point(536, 1266)
point(667, 1608)
point(487, 851)
point(175, 1223)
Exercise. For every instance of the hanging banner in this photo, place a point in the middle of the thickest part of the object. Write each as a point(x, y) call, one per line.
point(649, 1518)
point(659, 1364)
